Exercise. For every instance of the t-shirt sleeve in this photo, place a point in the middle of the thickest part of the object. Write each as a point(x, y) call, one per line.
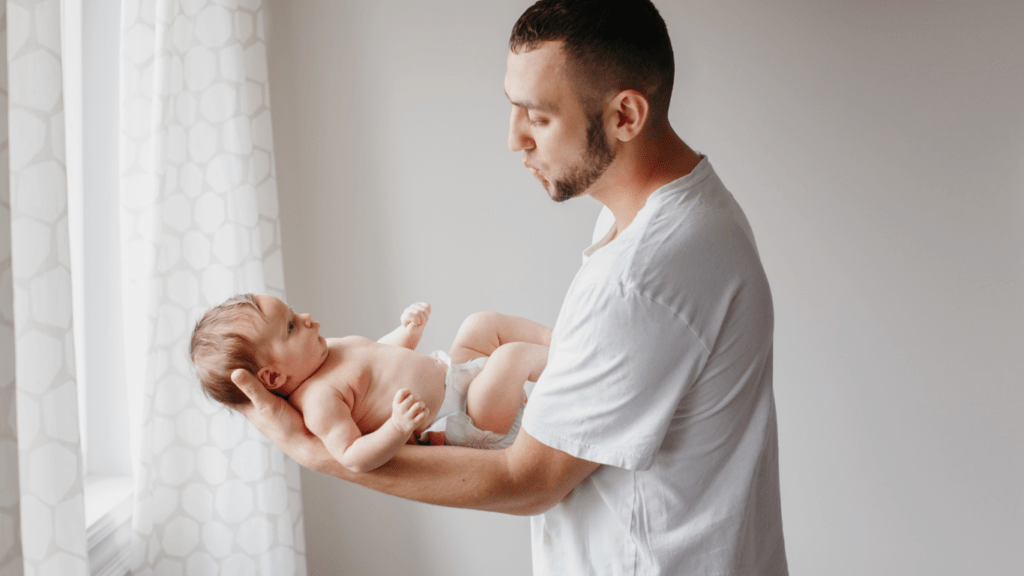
point(617, 371)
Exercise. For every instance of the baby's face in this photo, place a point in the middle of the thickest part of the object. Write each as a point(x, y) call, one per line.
point(293, 342)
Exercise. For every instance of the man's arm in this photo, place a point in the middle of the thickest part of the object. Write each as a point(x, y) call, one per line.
point(525, 479)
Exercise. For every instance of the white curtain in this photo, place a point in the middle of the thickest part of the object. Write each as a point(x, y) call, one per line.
point(42, 512)
point(198, 224)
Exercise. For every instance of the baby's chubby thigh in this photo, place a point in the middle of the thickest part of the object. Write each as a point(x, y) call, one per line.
point(494, 396)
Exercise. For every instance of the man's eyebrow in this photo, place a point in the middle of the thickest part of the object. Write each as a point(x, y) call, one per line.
point(529, 104)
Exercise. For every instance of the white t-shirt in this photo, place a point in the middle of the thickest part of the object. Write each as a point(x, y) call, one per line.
point(661, 369)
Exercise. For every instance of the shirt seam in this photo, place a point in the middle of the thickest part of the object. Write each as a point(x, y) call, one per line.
point(627, 460)
point(634, 525)
point(633, 290)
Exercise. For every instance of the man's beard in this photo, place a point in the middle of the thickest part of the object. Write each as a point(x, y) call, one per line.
point(593, 163)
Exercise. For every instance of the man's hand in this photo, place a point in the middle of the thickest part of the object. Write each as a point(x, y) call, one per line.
point(408, 412)
point(279, 421)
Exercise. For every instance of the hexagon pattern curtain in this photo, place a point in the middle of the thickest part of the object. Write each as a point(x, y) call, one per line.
point(42, 511)
point(198, 224)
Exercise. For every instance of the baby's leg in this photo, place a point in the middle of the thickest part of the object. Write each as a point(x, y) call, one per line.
point(494, 396)
point(483, 332)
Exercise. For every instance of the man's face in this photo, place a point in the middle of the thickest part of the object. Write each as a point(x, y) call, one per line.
point(563, 147)
point(293, 342)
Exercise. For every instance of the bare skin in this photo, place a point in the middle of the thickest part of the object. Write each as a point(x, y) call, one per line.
point(548, 127)
point(365, 399)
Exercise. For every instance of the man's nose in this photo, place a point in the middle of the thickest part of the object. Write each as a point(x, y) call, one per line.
point(518, 138)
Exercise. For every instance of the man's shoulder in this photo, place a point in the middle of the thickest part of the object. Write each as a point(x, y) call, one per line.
point(698, 233)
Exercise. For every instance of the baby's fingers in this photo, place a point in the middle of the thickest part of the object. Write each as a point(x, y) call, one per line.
point(421, 414)
point(416, 314)
point(405, 398)
point(411, 318)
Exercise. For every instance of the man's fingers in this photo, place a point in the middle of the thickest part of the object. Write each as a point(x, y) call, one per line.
point(248, 384)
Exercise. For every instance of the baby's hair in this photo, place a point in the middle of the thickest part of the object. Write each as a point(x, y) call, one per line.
point(221, 344)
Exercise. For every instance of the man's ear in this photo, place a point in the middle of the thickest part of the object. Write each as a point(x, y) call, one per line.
point(271, 379)
point(631, 112)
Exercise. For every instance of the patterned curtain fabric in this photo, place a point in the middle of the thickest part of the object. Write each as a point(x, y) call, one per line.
point(198, 225)
point(42, 511)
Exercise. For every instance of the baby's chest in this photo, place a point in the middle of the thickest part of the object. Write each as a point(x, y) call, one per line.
point(333, 389)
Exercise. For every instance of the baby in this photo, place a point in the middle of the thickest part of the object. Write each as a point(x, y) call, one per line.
point(365, 399)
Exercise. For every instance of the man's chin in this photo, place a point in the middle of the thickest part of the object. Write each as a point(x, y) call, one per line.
point(561, 193)
point(555, 191)
point(548, 187)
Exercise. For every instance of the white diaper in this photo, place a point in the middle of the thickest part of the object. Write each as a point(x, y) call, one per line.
point(452, 419)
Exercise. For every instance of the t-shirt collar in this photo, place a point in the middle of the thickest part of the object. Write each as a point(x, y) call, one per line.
point(695, 175)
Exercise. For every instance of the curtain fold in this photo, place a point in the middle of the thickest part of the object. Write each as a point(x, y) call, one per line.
point(42, 510)
point(199, 224)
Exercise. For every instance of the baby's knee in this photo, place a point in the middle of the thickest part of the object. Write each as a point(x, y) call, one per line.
point(512, 352)
point(523, 358)
point(479, 325)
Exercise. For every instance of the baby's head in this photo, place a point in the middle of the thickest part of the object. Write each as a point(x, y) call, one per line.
point(262, 335)
point(225, 339)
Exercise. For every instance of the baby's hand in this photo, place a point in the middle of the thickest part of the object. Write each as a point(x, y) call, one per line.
point(407, 411)
point(416, 316)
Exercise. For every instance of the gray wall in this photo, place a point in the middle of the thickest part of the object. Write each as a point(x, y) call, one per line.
point(878, 149)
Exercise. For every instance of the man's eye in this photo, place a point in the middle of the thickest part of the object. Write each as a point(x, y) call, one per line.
point(291, 326)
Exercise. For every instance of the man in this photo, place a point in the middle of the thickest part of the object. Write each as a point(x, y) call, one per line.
point(649, 445)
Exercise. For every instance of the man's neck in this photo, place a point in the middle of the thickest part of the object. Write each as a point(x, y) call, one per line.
point(640, 168)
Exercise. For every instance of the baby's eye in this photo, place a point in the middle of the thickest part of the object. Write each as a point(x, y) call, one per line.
point(291, 326)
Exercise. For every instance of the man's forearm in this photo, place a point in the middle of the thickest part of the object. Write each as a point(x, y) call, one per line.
point(442, 475)
point(510, 481)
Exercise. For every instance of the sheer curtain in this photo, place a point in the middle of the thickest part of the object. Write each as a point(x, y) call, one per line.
point(42, 511)
point(198, 224)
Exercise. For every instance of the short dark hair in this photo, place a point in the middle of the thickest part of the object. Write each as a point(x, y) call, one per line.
point(610, 46)
point(220, 345)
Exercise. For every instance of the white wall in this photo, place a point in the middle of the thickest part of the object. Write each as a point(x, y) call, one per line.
point(878, 149)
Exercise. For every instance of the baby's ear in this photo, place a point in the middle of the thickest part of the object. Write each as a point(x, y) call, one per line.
point(270, 379)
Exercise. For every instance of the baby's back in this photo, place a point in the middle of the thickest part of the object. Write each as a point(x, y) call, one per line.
point(368, 374)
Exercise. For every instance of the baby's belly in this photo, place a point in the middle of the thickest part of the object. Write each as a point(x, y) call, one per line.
point(425, 378)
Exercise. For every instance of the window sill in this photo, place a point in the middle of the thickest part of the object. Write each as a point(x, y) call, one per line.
point(108, 520)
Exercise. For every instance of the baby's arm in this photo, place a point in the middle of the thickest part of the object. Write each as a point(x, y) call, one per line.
point(330, 418)
point(413, 321)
